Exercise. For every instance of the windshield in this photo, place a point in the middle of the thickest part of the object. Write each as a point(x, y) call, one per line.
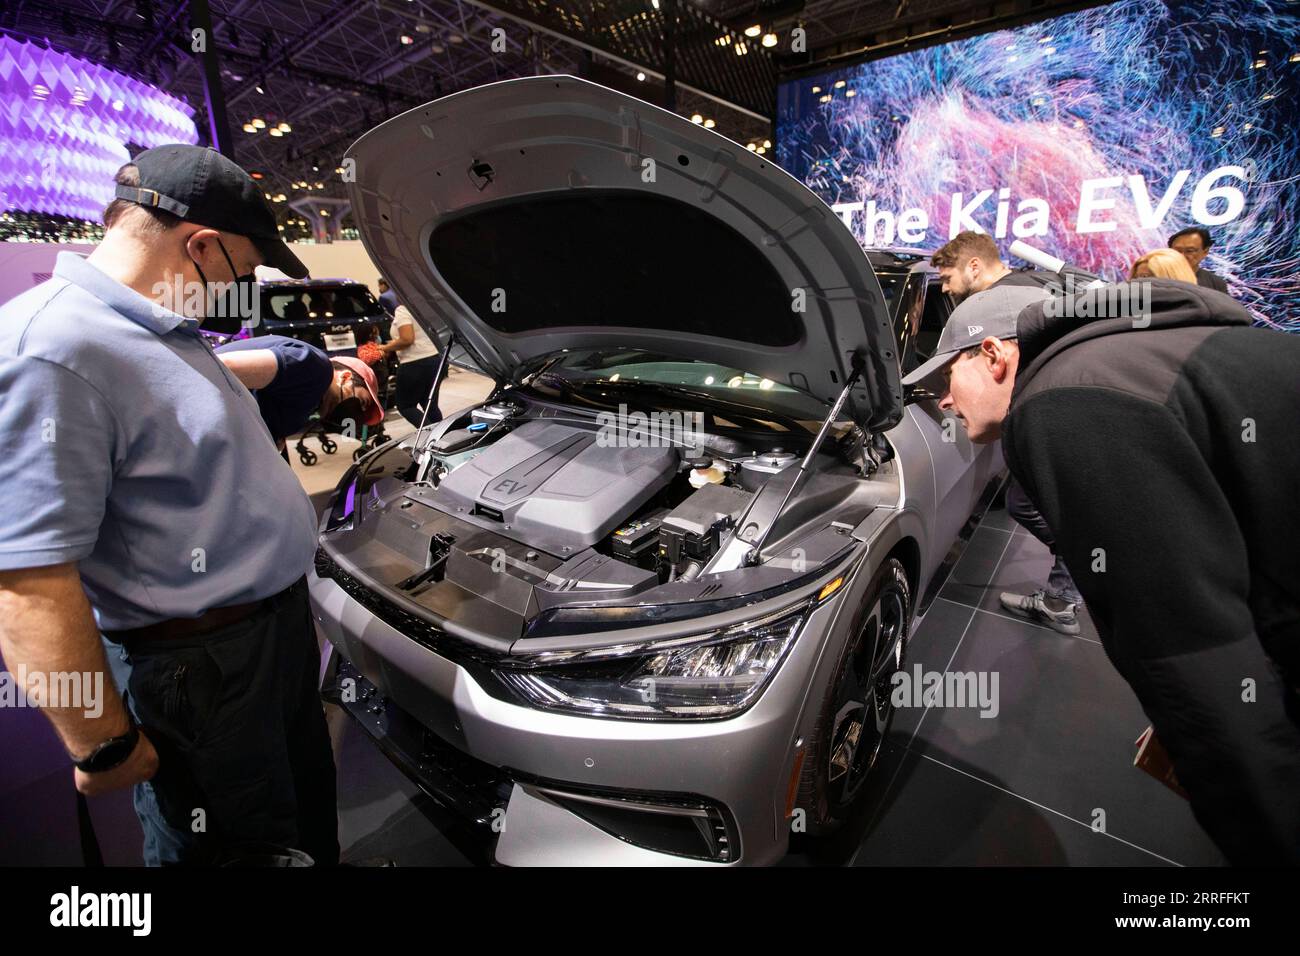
point(627, 368)
point(324, 304)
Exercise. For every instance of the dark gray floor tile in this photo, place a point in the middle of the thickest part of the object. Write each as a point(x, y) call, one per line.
point(1063, 736)
point(931, 646)
point(938, 816)
point(974, 571)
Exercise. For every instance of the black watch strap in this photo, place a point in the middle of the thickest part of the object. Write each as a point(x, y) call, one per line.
point(112, 752)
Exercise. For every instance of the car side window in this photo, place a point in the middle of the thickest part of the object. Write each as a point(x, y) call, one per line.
point(938, 306)
point(906, 310)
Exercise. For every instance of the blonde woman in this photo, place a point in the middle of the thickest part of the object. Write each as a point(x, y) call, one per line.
point(1163, 264)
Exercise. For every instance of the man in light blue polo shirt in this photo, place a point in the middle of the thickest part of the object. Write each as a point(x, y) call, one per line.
point(145, 500)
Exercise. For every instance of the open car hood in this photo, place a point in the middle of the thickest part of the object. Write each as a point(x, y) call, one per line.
point(550, 213)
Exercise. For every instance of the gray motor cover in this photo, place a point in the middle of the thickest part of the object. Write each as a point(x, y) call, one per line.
point(554, 487)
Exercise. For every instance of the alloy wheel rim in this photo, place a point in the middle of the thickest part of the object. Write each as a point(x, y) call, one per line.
point(862, 701)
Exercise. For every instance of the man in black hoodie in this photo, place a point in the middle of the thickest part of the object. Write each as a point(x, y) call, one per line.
point(1159, 434)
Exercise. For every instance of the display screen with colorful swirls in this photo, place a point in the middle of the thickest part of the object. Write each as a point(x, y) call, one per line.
point(1094, 136)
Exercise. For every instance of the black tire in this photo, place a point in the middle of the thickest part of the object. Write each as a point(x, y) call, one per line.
point(356, 455)
point(328, 446)
point(307, 457)
point(838, 761)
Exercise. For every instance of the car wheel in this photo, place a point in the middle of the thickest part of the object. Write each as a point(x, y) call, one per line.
point(856, 709)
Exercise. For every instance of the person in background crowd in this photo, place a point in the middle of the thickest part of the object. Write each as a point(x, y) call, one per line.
point(419, 358)
point(1163, 456)
point(1164, 264)
point(146, 503)
point(970, 263)
point(387, 298)
point(1194, 245)
point(293, 380)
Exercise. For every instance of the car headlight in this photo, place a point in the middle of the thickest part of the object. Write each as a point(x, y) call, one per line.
point(710, 676)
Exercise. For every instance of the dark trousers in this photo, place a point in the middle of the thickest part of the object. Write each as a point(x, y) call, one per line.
point(414, 379)
point(1060, 584)
point(244, 752)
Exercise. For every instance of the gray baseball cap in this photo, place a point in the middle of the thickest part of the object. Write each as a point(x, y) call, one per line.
point(991, 312)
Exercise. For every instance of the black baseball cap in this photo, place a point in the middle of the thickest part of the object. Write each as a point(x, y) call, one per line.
point(201, 186)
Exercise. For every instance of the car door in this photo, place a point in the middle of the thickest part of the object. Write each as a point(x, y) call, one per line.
point(961, 468)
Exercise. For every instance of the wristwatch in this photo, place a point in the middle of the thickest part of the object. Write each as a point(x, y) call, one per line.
point(111, 752)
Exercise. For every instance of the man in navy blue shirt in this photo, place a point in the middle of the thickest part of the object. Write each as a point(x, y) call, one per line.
point(291, 380)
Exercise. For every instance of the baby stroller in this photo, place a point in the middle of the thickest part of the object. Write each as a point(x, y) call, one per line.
point(385, 369)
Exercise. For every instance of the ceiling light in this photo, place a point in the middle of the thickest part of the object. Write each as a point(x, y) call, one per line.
point(423, 27)
point(850, 92)
point(817, 89)
point(753, 31)
point(709, 124)
point(1218, 131)
point(741, 48)
point(285, 128)
point(761, 150)
point(250, 128)
point(640, 77)
point(438, 48)
point(259, 88)
point(826, 98)
point(752, 147)
point(276, 132)
point(259, 122)
point(406, 39)
point(1258, 65)
point(769, 39)
point(697, 118)
point(767, 144)
point(839, 84)
point(456, 38)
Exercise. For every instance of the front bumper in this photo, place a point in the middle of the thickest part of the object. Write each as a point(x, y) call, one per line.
point(558, 789)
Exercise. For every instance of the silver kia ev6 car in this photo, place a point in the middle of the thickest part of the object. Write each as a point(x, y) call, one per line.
point(644, 604)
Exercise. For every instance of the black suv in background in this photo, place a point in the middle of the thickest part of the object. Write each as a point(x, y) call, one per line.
point(335, 315)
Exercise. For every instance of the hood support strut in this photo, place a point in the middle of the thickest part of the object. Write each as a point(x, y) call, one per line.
point(859, 368)
point(431, 400)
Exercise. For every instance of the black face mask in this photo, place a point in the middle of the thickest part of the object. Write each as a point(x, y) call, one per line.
point(346, 414)
point(236, 302)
